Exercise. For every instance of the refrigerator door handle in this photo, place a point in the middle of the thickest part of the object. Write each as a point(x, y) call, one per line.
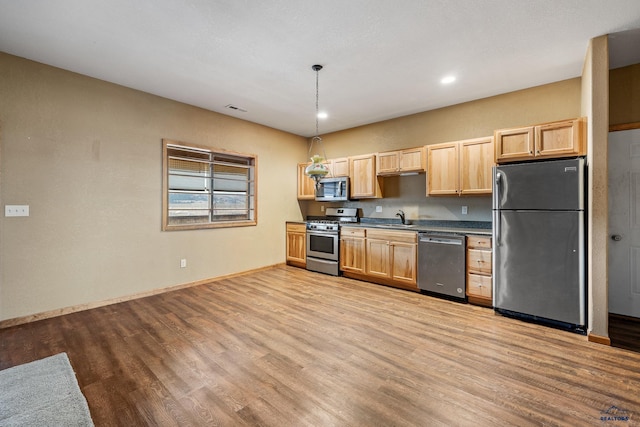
point(497, 180)
point(496, 228)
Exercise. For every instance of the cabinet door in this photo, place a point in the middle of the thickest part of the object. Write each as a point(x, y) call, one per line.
point(340, 167)
point(442, 169)
point(364, 181)
point(378, 258)
point(387, 163)
point(412, 160)
point(560, 139)
point(404, 260)
point(352, 252)
point(514, 144)
point(306, 185)
point(476, 161)
point(296, 245)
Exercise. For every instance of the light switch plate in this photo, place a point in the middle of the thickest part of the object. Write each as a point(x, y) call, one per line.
point(378, 208)
point(16, 210)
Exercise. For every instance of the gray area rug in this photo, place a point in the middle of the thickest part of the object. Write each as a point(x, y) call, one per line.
point(42, 393)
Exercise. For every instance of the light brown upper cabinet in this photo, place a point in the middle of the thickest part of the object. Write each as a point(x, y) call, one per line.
point(338, 167)
point(545, 141)
point(460, 168)
point(364, 181)
point(402, 161)
point(306, 185)
point(476, 163)
point(442, 169)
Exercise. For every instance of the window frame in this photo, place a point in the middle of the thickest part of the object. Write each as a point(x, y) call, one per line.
point(252, 199)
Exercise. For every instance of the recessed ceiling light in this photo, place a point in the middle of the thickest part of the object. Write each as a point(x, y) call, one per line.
point(448, 80)
point(322, 115)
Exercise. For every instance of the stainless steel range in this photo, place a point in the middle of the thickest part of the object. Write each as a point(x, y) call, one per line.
point(323, 239)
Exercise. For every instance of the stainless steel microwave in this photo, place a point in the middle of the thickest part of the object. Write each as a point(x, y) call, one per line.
point(333, 189)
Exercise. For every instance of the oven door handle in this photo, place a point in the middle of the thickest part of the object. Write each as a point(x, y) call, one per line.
point(322, 233)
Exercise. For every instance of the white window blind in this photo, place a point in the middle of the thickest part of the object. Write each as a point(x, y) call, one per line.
point(207, 188)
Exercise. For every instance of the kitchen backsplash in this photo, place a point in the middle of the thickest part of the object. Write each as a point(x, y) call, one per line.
point(409, 194)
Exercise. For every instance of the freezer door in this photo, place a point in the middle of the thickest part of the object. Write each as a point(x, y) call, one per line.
point(550, 185)
point(539, 264)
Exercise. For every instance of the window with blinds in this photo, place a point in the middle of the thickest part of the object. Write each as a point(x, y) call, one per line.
point(206, 188)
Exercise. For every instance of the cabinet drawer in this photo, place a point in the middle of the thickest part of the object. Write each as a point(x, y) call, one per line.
point(479, 285)
point(393, 236)
point(479, 261)
point(296, 227)
point(478, 242)
point(351, 232)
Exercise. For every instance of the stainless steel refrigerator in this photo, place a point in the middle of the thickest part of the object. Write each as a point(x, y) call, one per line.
point(539, 242)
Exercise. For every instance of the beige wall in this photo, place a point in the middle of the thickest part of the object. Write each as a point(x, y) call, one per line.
point(624, 95)
point(595, 103)
point(555, 101)
point(85, 155)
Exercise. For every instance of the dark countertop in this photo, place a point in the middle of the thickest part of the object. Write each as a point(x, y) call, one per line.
point(482, 228)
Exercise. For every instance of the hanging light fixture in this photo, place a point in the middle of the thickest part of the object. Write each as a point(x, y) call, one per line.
point(317, 170)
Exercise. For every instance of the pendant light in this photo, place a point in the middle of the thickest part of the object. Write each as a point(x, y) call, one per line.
point(317, 170)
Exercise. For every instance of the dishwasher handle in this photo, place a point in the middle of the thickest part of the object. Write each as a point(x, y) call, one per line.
point(442, 240)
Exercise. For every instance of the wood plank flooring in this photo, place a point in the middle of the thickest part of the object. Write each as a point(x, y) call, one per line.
point(287, 347)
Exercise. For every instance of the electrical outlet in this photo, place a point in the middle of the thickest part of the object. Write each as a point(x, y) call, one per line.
point(464, 210)
point(183, 263)
point(321, 208)
point(378, 208)
point(16, 210)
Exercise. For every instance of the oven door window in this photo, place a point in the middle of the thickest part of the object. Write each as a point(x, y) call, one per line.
point(322, 244)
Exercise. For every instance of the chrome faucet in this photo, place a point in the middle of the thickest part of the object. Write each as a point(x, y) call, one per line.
point(401, 215)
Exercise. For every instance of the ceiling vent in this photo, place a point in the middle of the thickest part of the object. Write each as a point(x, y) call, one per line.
point(236, 108)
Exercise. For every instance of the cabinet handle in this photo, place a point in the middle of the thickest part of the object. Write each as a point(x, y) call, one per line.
point(530, 152)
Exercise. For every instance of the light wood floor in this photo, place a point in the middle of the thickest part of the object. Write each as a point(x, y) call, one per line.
point(286, 347)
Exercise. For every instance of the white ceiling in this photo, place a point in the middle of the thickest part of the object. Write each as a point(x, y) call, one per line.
point(382, 58)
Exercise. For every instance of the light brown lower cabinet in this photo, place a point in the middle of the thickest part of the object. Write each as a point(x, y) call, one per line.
point(352, 249)
point(297, 244)
point(387, 257)
point(479, 270)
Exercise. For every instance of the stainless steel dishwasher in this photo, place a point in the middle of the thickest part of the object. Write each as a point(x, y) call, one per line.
point(441, 264)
